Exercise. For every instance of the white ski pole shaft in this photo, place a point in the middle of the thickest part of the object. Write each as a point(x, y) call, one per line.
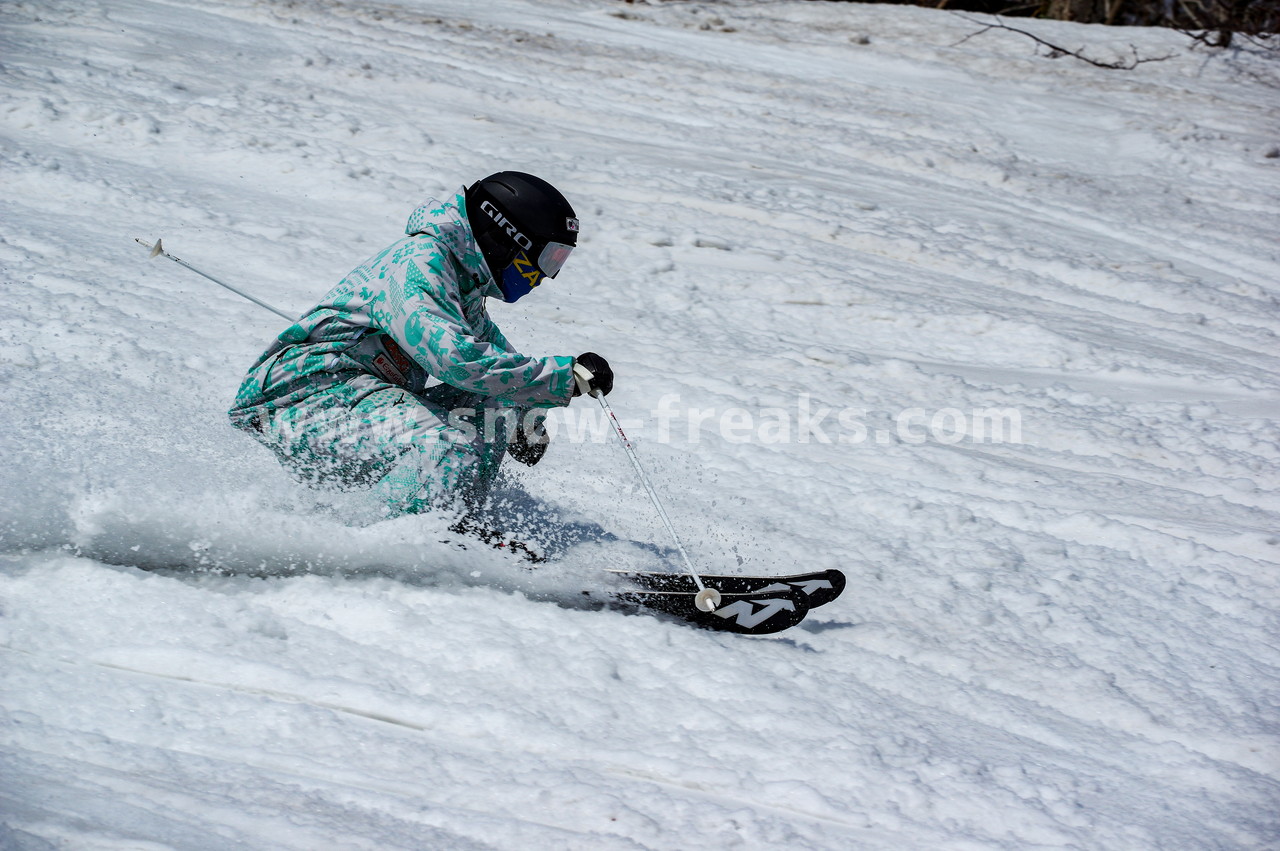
point(157, 250)
point(708, 599)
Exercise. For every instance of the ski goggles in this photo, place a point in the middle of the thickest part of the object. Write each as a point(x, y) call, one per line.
point(551, 258)
point(523, 274)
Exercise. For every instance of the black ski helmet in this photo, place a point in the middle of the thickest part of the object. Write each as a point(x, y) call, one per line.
point(513, 213)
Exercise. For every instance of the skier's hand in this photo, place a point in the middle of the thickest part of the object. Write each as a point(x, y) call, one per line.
point(528, 446)
point(598, 374)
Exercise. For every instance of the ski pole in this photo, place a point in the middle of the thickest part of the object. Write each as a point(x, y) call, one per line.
point(707, 599)
point(157, 250)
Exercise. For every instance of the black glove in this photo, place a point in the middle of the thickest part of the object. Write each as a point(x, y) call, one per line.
point(528, 447)
point(601, 375)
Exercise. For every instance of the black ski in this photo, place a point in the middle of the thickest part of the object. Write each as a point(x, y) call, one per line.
point(816, 589)
point(761, 613)
point(750, 605)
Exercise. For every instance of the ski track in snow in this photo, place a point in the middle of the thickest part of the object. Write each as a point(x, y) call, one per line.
point(1064, 642)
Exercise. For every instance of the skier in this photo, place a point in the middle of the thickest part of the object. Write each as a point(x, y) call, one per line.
point(399, 381)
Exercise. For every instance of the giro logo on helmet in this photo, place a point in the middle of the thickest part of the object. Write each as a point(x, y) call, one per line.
point(503, 222)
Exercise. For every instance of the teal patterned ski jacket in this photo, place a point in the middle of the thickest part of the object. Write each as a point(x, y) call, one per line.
point(427, 294)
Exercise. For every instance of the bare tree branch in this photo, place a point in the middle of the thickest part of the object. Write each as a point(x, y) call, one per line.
point(1055, 51)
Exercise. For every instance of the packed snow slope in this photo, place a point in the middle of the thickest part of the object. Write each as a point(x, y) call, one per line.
point(1063, 640)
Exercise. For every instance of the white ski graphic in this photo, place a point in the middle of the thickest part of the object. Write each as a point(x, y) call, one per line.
point(807, 587)
point(813, 585)
point(749, 617)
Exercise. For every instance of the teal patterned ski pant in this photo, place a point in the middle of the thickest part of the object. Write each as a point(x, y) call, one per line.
point(415, 451)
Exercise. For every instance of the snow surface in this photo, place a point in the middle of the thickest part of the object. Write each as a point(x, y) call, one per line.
point(1064, 642)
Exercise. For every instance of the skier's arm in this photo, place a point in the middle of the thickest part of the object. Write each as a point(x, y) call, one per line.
point(490, 332)
point(433, 331)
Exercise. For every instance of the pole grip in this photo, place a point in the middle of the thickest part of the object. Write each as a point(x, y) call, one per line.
point(582, 378)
